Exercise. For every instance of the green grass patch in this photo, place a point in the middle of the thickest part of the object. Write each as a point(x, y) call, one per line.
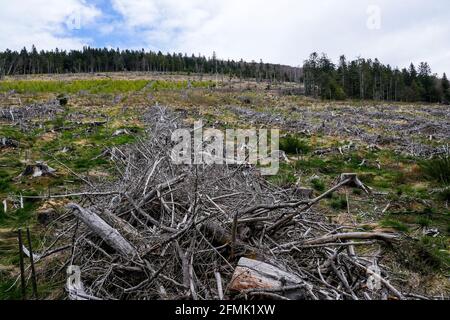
point(5, 185)
point(339, 203)
point(318, 184)
point(20, 217)
point(315, 164)
point(103, 86)
point(283, 179)
point(395, 224)
point(423, 221)
point(424, 255)
point(179, 85)
point(10, 288)
point(285, 176)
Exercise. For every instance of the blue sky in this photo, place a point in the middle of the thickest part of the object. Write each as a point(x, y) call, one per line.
point(283, 31)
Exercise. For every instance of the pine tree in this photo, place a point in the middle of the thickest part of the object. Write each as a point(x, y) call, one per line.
point(445, 83)
point(110, 60)
point(445, 89)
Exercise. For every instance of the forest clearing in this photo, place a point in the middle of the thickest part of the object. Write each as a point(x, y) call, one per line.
point(358, 209)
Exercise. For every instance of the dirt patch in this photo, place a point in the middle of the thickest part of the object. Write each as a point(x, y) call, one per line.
point(48, 136)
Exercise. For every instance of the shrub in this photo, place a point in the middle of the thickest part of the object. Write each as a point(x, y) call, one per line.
point(437, 169)
point(318, 184)
point(292, 145)
point(4, 185)
point(339, 203)
point(423, 221)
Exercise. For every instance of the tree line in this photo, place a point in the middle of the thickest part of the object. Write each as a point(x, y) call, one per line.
point(370, 79)
point(91, 60)
point(356, 79)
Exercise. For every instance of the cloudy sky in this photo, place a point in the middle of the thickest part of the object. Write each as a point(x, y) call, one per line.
point(281, 31)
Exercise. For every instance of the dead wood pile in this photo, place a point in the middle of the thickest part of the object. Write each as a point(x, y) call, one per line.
point(33, 112)
point(161, 231)
point(421, 133)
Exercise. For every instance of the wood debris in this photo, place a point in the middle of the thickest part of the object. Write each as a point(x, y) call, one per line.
point(165, 231)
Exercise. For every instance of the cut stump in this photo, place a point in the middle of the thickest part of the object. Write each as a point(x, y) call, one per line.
point(252, 274)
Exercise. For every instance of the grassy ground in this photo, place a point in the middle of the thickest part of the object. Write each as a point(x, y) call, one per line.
point(68, 143)
point(415, 194)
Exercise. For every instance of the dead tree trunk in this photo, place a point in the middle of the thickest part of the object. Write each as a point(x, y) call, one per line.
point(110, 235)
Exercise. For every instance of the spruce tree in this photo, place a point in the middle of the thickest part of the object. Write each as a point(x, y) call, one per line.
point(445, 90)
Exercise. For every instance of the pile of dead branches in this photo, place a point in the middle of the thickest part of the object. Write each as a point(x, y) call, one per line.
point(162, 231)
point(37, 111)
point(413, 134)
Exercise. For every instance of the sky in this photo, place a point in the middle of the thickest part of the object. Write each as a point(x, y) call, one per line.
point(397, 32)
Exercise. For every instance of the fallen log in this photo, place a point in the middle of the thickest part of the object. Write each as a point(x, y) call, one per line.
point(110, 235)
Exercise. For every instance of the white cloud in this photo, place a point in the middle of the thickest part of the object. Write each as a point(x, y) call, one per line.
point(44, 23)
point(165, 14)
point(287, 31)
point(280, 31)
point(164, 22)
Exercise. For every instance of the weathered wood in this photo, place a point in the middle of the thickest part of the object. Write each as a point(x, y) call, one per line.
point(252, 274)
point(219, 284)
point(186, 233)
point(110, 235)
point(351, 236)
